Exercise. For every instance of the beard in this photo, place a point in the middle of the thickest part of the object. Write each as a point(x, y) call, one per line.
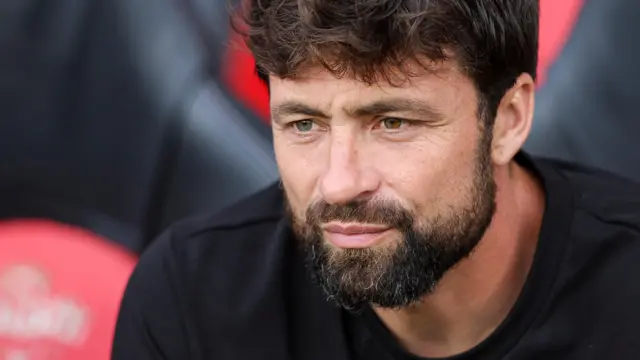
point(397, 274)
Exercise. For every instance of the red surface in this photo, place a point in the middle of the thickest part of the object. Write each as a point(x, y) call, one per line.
point(556, 21)
point(60, 290)
point(557, 18)
point(239, 75)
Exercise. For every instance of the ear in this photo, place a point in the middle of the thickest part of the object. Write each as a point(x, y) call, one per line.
point(513, 120)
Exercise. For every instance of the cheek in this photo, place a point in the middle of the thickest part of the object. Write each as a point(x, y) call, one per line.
point(298, 172)
point(417, 177)
point(431, 175)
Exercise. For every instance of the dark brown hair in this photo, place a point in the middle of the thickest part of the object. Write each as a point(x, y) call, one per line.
point(492, 41)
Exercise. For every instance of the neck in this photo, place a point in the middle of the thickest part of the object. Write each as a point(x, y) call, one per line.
point(476, 296)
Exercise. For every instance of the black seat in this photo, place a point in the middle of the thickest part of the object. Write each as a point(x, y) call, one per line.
point(587, 110)
point(111, 121)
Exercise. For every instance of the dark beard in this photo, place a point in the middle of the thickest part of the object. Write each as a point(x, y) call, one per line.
point(402, 272)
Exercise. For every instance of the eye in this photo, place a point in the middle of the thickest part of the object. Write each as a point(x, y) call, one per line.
point(303, 126)
point(392, 123)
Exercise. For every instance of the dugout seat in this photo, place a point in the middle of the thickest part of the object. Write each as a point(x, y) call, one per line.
point(111, 128)
point(587, 110)
point(112, 122)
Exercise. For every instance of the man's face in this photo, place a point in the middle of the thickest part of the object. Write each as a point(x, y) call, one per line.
point(388, 187)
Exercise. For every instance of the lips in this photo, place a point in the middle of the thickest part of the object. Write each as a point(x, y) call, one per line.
point(354, 229)
point(355, 235)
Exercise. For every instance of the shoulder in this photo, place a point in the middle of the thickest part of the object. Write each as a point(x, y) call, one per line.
point(211, 280)
point(225, 258)
point(602, 243)
point(242, 232)
point(218, 254)
point(238, 238)
point(600, 197)
point(603, 238)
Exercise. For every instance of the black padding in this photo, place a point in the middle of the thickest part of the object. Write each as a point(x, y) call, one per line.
point(110, 120)
point(588, 110)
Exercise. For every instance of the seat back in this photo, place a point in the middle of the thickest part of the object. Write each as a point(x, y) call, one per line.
point(112, 122)
point(586, 112)
point(113, 126)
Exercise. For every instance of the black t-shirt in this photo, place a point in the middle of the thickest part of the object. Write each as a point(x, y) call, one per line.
point(234, 286)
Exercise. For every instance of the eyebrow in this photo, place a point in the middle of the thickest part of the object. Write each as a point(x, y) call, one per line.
point(418, 108)
point(288, 108)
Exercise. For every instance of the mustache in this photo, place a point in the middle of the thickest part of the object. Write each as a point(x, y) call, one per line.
point(383, 212)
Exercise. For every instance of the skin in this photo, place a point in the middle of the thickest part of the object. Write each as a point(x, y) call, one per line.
point(426, 164)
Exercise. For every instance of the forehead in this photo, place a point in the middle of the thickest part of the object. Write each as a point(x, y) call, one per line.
point(319, 88)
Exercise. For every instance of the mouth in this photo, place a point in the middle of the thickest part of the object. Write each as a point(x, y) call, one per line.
point(354, 236)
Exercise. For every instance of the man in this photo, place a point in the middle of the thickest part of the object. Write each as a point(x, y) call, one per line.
point(408, 224)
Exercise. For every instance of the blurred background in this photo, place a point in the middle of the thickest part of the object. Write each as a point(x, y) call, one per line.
point(120, 117)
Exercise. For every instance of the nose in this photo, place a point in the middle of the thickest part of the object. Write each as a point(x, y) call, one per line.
point(346, 179)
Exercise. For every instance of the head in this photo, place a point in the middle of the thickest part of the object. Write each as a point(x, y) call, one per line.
point(393, 123)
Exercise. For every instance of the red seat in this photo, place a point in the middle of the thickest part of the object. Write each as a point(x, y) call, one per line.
point(60, 289)
point(557, 19)
point(112, 123)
